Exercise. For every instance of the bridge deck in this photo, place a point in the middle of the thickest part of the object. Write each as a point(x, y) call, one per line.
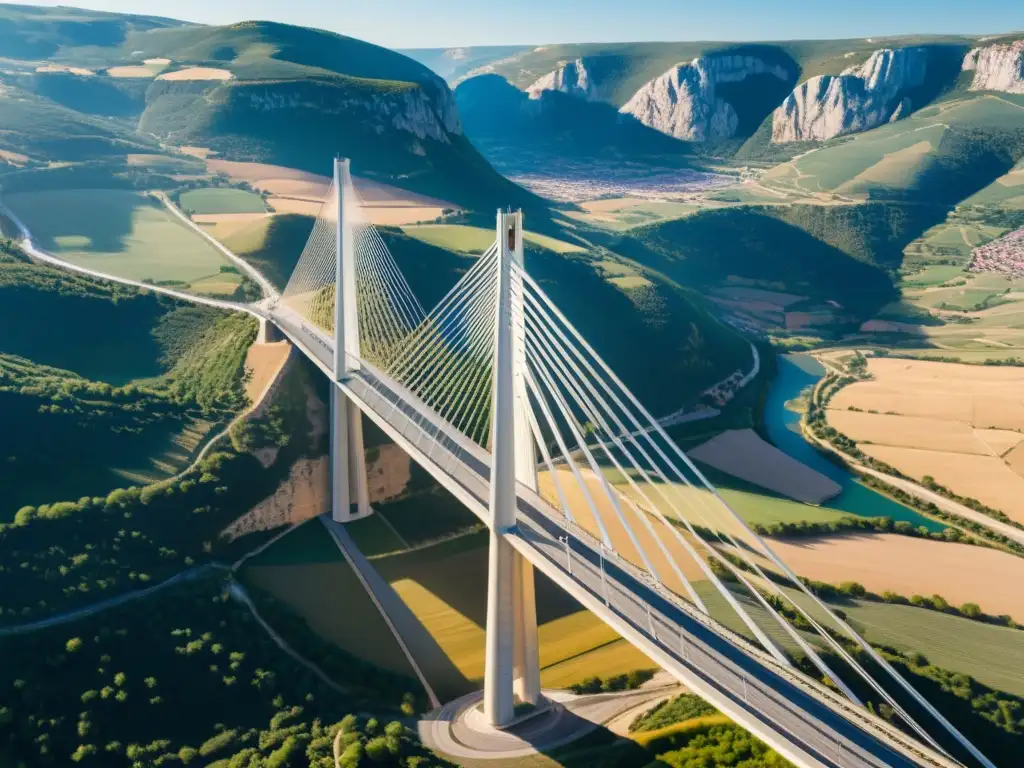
point(746, 684)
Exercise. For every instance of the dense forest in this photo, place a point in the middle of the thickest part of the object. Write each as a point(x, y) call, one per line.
point(189, 677)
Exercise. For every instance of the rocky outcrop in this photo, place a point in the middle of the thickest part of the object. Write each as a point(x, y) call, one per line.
point(858, 99)
point(998, 67)
point(424, 112)
point(685, 101)
point(576, 78)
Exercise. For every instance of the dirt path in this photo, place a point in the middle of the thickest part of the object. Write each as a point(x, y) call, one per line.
point(238, 592)
point(104, 605)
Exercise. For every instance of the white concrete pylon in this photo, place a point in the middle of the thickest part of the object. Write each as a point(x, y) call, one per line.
point(348, 459)
point(527, 652)
point(512, 664)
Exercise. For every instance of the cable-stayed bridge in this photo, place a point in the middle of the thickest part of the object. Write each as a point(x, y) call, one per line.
point(498, 396)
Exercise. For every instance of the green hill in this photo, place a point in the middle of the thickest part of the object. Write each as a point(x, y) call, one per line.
point(655, 335)
point(113, 386)
point(769, 245)
point(941, 154)
point(278, 93)
point(44, 130)
point(35, 32)
point(273, 245)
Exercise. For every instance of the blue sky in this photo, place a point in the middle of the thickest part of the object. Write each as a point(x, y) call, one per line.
point(449, 23)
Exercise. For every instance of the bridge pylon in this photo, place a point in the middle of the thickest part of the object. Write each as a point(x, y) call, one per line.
point(512, 671)
point(350, 497)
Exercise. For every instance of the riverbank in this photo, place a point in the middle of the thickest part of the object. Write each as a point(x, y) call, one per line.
point(796, 377)
point(958, 511)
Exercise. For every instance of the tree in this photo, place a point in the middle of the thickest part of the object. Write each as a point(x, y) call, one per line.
point(971, 610)
point(74, 644)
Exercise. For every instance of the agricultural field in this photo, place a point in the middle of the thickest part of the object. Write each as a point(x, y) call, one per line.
point(196, 73)
point(952, 422)
point(299, 192)
point(624, 213)
point(221, 200)
point(295, 571)
point(118, 232)
point(991, 654)
point(147, 69)
point(445, 587)
point(465, 239)
point(911, 566)
point(621, 275)
point(743, 454)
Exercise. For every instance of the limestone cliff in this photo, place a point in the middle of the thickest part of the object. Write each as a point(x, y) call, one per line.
point(998, 67)
point(858, 99)
point(422, 111)
point(686, 101)
point(577, 78)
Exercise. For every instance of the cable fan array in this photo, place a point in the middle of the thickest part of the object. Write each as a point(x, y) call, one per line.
point(615, 473)
point(387, 308)
point(448, 360)
point(606, 464)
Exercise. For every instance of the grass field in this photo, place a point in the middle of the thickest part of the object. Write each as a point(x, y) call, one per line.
point(622, 214)
point(933, 275)
point(464, 239)
point(411, 521)
point(215, 200)
point(993, 655)
point(743, 453)
point(119, 232)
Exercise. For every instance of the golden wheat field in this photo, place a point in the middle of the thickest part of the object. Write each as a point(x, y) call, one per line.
point(961, 573)
point(959, 424)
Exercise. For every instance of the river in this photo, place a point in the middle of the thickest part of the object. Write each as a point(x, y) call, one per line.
point(797, 374)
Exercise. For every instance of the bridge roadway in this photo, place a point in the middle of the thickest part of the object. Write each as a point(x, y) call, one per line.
point(811, 726)
point(807, 723)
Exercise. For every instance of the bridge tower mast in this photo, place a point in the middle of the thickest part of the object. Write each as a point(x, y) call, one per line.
point(350, 498)
point(512, 668)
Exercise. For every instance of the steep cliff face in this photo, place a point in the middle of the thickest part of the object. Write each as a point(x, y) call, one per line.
point(858, 99)
point(997, 67)
point(420, 112)
point(687, 101)
point(583, 78)
point(423, 112)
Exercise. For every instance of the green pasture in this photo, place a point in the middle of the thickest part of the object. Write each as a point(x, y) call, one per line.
point(119, 232)
point(964, 298)
point(991, 654)
point(629, 216)
point(935, 274)
point(411, 521)
point(218, 200)
point(466, 239)
point(896, 155)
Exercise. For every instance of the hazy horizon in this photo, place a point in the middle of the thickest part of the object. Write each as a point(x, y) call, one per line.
point(468, 23)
